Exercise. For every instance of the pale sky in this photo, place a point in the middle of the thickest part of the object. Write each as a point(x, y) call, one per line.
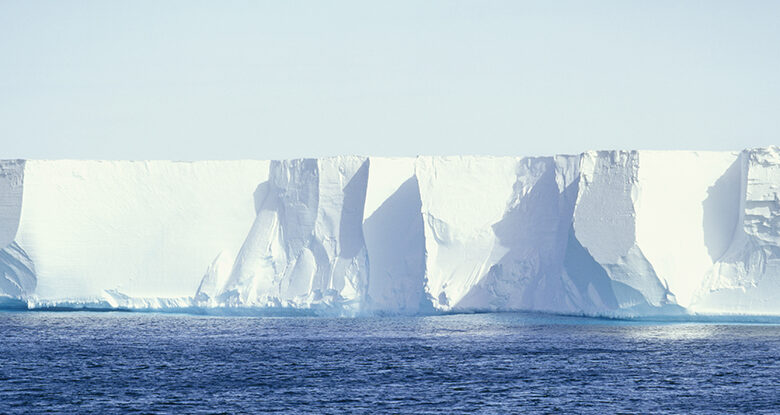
point(283, 79)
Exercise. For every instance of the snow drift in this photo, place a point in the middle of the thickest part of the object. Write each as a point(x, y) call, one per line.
point(613, 233)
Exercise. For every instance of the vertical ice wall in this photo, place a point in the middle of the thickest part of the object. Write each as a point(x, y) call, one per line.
point(145, 229)
point(497, 240)
point(459, 210)
point(11, 181)
point(393, 231)
point(306, 245)
point(531, 236)
point(17, 272)
point(687, 208)
point(607, 233)
point(605, 225)
point(747, 275)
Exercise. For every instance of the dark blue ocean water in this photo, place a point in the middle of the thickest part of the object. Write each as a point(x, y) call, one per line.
point(115, 362)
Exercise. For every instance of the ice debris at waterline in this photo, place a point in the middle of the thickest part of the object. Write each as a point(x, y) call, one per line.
point(613, 233)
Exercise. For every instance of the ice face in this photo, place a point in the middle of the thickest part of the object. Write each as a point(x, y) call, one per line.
point(459, 210)
point(605, 219)
point(17, 271)
point(746, 276)
point(694, 197)
point(11, 184)
point(617, 233)
point(395, 239)
point(145, 229)
point(306, 244)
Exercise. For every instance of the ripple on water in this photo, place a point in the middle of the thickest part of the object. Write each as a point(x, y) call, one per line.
point(488, 363)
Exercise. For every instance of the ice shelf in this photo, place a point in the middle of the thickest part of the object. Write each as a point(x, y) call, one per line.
point(608, 233)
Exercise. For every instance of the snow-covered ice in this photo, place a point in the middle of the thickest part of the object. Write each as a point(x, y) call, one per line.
point(614, 233)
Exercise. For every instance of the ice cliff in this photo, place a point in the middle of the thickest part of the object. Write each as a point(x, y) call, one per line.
point(615, 233)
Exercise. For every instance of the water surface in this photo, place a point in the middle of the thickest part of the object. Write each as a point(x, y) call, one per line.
point(114, 362)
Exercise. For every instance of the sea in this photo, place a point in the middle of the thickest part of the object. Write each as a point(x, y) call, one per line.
point(503, 363)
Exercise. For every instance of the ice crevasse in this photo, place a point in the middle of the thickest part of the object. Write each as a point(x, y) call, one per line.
point(609, 233)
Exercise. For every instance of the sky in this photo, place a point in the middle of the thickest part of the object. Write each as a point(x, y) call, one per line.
point(190, 80)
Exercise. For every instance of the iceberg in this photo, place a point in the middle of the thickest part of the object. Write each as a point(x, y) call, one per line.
point(603, 233)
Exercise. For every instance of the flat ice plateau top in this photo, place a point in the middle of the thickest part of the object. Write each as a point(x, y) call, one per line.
point(608, 233)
